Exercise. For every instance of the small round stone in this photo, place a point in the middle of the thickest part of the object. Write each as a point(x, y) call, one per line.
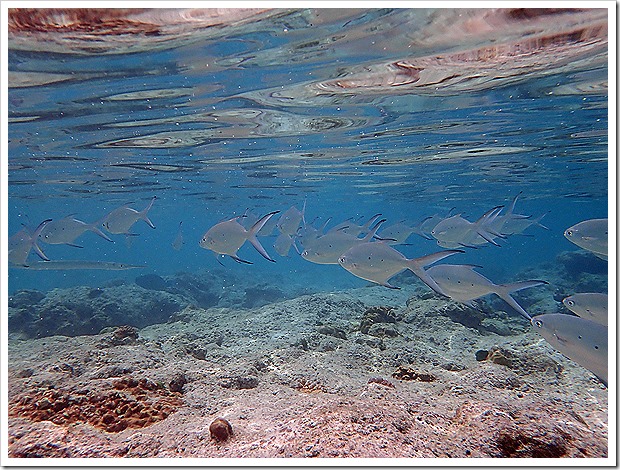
point(481, 354)
point(220, 429)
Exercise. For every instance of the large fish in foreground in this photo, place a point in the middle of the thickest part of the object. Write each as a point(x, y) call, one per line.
point(589, 305)
point(23, 242)
point(581, 340)
point(120, 220)
point(64, 231)
point(590, 235)
point(225, 238)
point(378, 262)
point(461, 283)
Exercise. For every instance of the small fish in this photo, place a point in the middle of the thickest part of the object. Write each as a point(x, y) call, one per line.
point(461, 283)
point(397, 234)
point(328, 248)
point(288, 224)
point(355, 229)
point(178, 242)
point(457, 232)
point(590, 235)
point(512, 224)
point(23, 242)
point(581, 340)
point(79, 265)
point(379, 262)
point(225, 238)
point(120, 220)
point(591, 306)
point(64, 231)
point(426, 225)
point(290, 220)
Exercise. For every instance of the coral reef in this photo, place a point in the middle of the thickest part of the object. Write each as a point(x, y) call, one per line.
point(130, 404)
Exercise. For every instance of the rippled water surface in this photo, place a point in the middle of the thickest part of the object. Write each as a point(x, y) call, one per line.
point(407, 113)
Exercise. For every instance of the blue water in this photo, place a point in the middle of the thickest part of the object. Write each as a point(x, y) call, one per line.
point(230, 141)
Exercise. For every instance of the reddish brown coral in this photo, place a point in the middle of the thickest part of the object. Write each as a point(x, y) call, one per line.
point(381, 381)
point(407, 373)
point(132, 404)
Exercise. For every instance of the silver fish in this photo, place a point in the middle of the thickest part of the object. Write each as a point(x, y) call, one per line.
point(120, 220)
point(457, 232)
point(590, 235)
point(23, 242)
point(64, 231)
point(225, 238)
point(79, 265)
point(328, 248)
point(354, 229)
point(288, 224)
point(581, 340)
point(590, 305)
point(397, 234)
point(511, 223)
point(290, 220)
point(461, 283)
point(178, 242)
point(379, 262)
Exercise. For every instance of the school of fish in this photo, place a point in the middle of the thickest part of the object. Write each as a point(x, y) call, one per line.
point(366, 250)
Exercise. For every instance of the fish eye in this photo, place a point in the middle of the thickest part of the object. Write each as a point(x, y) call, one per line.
point(569, 233)
point(538, 323)
point(341, 259)
point(570, 303)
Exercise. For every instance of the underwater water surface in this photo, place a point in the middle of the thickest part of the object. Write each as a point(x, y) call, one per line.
point(407, 113)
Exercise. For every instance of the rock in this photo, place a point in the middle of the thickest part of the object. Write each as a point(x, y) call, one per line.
point(383, 331)
point(24, 298)
point(152, 282)
point(374, 315)
point(220, 429)
point(239, 382)
point(332, 331)
point(177, 382)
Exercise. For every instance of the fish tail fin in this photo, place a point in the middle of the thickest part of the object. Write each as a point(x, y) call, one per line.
point(34, 238)
point(255, 229)
point(416, 266)
point(504, 291)
point(483, 225)
point(144, 213)
point(537, 220)
point(369, 236)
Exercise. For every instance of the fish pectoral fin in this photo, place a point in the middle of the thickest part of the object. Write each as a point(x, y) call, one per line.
point(74, 245)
